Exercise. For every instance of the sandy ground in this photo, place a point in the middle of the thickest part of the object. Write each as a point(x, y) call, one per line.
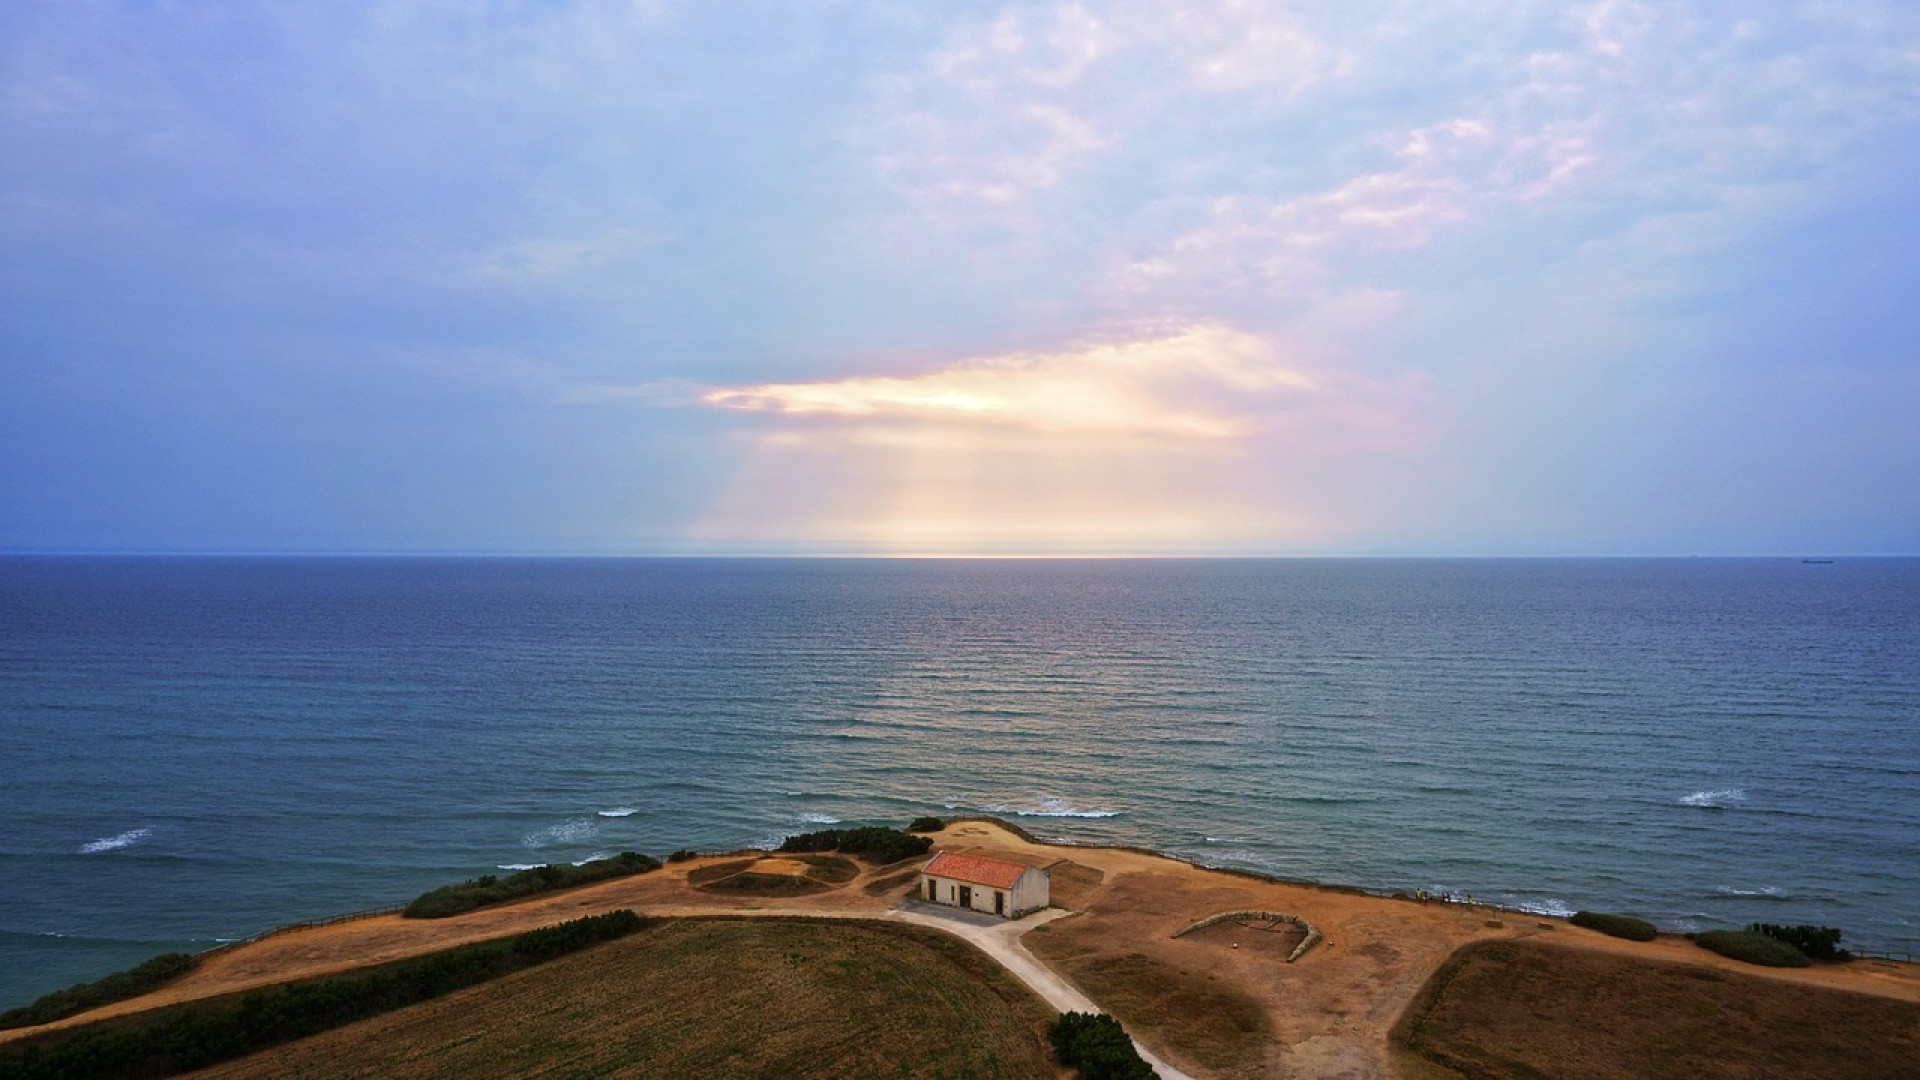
point(1331, 1010)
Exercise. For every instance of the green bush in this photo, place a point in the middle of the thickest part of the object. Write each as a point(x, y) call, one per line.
point(487, 890)
point(118, 986)
point(683, 855)
point(1816, 942)
point(181, 1040)
point(1095, 1044)
point(872, 843)
point(1749, 947)
point(1620, 926)
point(926, 824)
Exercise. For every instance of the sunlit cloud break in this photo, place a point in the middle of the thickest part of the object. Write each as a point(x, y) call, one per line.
point(1193, 384)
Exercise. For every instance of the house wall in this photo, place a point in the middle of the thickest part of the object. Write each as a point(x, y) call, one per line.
point(1029, 893)
point(1032, 891)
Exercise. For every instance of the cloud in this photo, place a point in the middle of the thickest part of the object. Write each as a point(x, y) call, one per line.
point(1200, 439)
point(1196, 384)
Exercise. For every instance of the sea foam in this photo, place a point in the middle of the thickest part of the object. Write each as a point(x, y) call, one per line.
point(1714, 800)
point(619, 811)
point(1045, 808)
point(567, 832)
point(115, 843)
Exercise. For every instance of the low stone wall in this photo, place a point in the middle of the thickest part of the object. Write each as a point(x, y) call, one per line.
point(1312, 938)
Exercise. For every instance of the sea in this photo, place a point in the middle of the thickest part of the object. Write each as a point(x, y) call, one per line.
point(194, 750)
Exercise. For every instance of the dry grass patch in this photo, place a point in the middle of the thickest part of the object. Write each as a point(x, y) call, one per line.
point(698, 998)
point(1526, 1011)
point(785, 875)
point(1072, 885)
point(1190, 1015)
point(887, 883)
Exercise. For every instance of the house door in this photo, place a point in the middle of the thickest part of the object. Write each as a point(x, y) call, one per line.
point(999, 903)
point(966, 897)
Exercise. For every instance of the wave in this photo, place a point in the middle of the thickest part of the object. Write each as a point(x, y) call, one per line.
point(567, 832)
point(1548, 906)
point(819, 819)
point(516, 867)
point(115, 843)
point(1770, 892)
point(1714, 800)
point(1045, 808)
point(619, 811)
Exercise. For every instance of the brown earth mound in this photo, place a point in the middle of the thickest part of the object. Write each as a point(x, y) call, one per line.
point(797, 875)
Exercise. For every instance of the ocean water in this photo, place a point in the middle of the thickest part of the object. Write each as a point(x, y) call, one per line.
point(197, 750)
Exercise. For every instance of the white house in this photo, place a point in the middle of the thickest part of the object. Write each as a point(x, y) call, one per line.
point(979, 883)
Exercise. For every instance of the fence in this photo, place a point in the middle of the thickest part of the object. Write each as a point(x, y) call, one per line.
point(304, 924)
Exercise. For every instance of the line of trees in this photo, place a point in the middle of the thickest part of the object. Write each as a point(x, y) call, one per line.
point(872, 843)
point(193, 1036)
point(489, 890)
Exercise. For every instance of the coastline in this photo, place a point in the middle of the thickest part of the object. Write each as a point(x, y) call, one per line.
point(1335, 1005)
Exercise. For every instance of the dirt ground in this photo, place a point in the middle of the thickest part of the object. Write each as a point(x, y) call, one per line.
point(1330, 1012)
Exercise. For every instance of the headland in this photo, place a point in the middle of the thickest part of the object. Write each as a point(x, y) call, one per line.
point(1204, 966)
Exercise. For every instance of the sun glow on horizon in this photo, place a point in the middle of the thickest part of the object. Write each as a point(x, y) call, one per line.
point(1187, 442)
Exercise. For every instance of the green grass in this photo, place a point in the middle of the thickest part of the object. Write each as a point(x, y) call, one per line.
point(1752, 948)
point(487, 891)
point(1620, 926)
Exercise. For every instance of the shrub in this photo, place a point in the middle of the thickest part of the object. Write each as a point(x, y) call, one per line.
point(1620, 926)
point(119, 986)
point(488, 890)
point(1817, 942)
point(1749, 947)
point(926, 824)
point(180, 1040)
point(872, 843)
point(1095, 1044)
point(683, 855)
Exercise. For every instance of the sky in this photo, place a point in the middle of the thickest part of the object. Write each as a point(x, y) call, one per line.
point(1447, 277)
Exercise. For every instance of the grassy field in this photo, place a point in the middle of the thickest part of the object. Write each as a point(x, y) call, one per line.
point(1188, 1013)
point(699, 998)
point(1525, 1011)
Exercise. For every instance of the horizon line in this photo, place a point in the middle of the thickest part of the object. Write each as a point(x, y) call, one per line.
point(846, 556)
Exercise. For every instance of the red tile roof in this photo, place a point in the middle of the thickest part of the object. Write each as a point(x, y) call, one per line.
point(976, 869)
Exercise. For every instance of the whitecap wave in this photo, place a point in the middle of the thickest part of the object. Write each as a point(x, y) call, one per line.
point(567, 832)
point(1764, 890)
point(1714, 800)
point(1547, 906)
point(516, 867)
point(1044, 808)
point(115, 843)
point(819, 819)
point(595, 857)
point(619, 811)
